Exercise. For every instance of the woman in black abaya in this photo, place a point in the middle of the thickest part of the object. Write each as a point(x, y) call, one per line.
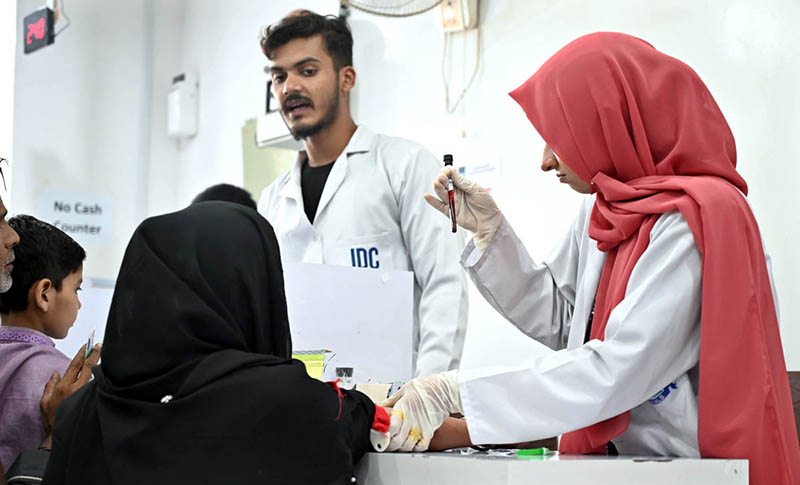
point(197, 384)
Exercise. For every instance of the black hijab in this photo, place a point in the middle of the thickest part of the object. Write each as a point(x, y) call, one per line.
point(196, 383)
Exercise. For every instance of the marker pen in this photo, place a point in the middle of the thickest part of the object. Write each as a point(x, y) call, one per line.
point(448, 162)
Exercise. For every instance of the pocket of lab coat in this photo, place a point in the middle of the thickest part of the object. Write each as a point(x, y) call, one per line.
point(370, 252)
point(676, 403)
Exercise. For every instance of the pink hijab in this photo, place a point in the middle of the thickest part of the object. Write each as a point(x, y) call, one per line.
point(644, 130)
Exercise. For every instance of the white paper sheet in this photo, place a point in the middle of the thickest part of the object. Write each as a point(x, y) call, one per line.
point(95, 297)
point(364, 316)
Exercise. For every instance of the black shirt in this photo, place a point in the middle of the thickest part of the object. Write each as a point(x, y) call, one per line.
point(312, 181)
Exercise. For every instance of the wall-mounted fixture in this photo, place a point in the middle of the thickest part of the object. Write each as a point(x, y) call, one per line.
point(182, 106)
point(459, 15)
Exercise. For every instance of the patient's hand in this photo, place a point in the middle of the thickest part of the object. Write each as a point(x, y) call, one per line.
point(452, 433)
point(57, 388)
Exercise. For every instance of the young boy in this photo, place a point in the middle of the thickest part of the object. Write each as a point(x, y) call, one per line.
point(40, 305)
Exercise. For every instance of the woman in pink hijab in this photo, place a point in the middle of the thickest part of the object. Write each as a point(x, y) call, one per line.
point(658, 303)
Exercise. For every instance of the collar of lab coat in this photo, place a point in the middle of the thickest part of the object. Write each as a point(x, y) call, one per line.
point(360, 142)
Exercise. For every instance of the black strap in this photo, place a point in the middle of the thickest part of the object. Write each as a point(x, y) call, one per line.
point(28, 468)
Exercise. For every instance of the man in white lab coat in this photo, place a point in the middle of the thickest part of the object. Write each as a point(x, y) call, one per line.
point(658, 302)
point(353, 197)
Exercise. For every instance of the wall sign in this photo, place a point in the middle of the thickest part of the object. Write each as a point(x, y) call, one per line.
point(85, 216)
point(37, 30)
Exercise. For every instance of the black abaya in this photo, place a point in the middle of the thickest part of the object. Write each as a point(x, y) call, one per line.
point(196, 384)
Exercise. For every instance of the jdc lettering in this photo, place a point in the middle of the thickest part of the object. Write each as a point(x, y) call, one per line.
point(364, 258)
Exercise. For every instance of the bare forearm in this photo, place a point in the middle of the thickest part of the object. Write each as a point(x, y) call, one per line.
point(453, 433)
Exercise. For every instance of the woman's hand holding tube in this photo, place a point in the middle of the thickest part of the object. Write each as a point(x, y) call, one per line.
point(419, 408)
point(475, 208)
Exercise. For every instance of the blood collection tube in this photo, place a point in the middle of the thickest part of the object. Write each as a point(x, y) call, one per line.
point(448, 162)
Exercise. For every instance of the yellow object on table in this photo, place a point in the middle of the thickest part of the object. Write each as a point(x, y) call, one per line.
point(314, 361)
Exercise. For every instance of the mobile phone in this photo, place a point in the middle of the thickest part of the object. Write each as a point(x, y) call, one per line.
point(89, 344)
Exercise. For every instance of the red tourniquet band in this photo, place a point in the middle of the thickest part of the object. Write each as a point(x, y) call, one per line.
point(381, 421)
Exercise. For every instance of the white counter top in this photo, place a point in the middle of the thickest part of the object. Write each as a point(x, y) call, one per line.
point(455, 468)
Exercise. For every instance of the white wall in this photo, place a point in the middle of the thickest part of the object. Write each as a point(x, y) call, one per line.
point(8, 37)
point(81, 119)
point(163, 171)
point(745, 52)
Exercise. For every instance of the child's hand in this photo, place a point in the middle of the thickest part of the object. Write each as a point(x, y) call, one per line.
point(57, 388)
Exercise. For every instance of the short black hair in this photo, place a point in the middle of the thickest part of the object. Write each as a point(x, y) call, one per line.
point(44, 251)
point(305, 23)
point(226, 193)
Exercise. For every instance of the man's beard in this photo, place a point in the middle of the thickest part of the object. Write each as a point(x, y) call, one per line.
point(5, 276)
point(303, 132)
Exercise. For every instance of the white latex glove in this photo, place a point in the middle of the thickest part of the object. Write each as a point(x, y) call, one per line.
point(475, 208)
point(419, 408)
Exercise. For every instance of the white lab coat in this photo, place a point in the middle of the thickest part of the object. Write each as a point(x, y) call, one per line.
point(648, 362)
point(372, 214)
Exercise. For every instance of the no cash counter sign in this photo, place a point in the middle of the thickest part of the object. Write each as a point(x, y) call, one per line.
point(84, 216)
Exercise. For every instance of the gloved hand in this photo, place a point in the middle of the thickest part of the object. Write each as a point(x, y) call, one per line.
point(419, 408)
point(475, 208)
